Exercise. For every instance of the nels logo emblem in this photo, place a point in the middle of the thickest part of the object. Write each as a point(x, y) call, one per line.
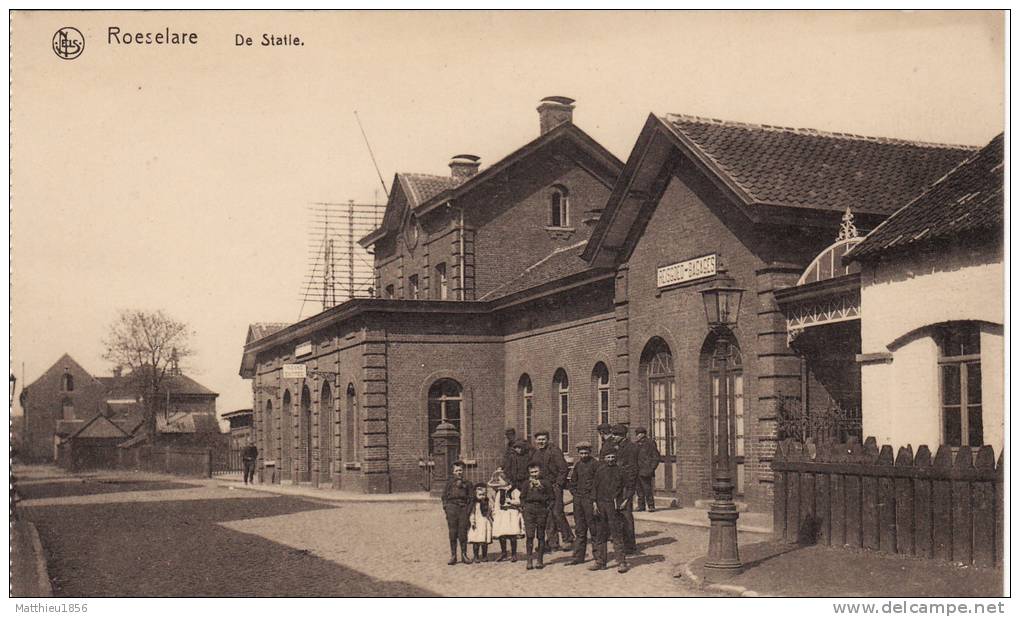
point(68, 43)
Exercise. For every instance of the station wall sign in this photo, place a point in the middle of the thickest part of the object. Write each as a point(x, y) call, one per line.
point(684, 271)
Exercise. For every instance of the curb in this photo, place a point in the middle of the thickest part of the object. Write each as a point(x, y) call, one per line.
point(737, 591)
point(328, 498)
point(43, 584)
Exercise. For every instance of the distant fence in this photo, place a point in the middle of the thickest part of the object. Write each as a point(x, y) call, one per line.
point(230, 462)
point(168, 459)
point(948, 508)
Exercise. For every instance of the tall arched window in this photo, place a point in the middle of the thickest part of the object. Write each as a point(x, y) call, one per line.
point(445, 401)
point(326, 431)
point(67, 409)
point(68, 382)
point(352, 443)
point(727, 368)
point(561, 394)
point(559, 207)
point(286, 432)
point(269, 438)
point(527, 396)
point(441, 283)
point(960, 377)
point(658, 373)
point(600, 383)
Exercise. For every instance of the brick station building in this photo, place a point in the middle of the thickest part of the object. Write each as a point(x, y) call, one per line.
point(559, 288)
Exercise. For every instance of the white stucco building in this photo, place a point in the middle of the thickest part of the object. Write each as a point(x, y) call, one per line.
point(931, 313)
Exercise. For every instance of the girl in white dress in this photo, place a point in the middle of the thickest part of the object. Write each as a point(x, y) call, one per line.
point(507, 521)
point(480, 533)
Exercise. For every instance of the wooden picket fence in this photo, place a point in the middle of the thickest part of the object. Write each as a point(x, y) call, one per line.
point(857, 495)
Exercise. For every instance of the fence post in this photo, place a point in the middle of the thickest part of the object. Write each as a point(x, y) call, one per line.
point(922, 504)
point(886, 503)
point(823, 531)
point(793, 496)
point(942, 504)
point(962, 515)
point(854, 500)
point(984, 509)
point(904, 502)
point(869, 498)
point(1000, 499)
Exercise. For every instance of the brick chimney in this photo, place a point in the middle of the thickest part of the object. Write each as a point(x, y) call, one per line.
point(463, 166)
point(554, 111)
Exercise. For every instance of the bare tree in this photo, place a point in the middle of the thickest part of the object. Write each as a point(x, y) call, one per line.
point(150, 345)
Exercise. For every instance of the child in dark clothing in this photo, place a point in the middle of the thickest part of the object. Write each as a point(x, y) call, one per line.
point(537, 497)
point(457, 503)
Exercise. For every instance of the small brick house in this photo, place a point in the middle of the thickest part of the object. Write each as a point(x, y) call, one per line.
point(559, 288)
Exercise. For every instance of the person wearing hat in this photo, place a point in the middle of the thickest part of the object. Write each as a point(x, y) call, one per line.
point(515, 464)
point(627, 459)
point(511, 439)
point(608, 494)
point(554, 469)
point(606, 436)
point(647, 462)
point(581, 481)
point(536, 498)
point(458, 497)
point(507, 522)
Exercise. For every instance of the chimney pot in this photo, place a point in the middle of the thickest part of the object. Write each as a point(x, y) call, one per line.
point(554, 111)
point(463, 166)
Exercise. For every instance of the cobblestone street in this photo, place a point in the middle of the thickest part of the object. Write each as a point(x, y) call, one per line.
point(140, 536)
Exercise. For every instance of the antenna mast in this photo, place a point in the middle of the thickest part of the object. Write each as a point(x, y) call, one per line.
point(371, 154)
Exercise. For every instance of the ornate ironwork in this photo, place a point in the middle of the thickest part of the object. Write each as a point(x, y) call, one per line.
point(844, 307)
point(847, 229)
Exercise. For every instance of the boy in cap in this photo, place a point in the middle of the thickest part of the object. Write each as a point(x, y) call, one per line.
point(606, 437)
point(581, 483)
point(515, 464)
point(648, 459)
point(458, 497)
point(608, 493)
point(554, 469)
point(536, 497)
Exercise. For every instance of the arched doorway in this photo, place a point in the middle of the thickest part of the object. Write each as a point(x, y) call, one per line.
point(659, 377)
point(726, 377)
point(326, 422)
point(445, 398)
point(305, 425)
point(286, 436)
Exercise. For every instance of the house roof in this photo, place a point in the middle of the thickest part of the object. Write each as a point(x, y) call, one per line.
point(264, 329)
point(237, 413)
point(967, 200)
point(99, 427)
point(124, 387)
point(807, 168)
point(198, 422)
point(561, 263)
point(420, 188)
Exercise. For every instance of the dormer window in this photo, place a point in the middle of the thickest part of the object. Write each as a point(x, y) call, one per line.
point(559, 207)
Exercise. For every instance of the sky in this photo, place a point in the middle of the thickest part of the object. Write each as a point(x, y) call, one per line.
point(177, 177)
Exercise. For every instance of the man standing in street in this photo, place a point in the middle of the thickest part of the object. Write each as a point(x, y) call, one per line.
point(249, 454)
point(627, 460)
point(606, 436)
point(580, 482)
point(554, 469)
point(608, 493)
point(647, 462)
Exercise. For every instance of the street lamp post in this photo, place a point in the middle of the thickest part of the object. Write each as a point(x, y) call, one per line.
point(722, 306)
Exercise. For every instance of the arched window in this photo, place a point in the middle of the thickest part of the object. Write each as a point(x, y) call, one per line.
point(561, 394)
point(658, 375)
point(286, 432)
point(527, 396)
point(352, 443)
point(68, 383)
point(326, 430)
point(960, 377)
point(67, 409)
point(445, 399)
point(269, 440)
point(559, 207)
point(390, 293)
point(600, 383)
point(727, 369)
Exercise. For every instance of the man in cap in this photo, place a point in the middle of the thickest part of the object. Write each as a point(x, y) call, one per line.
point(581, 482)
point(606, 437)
point(627, 459)
point(648, 459)
point(608, 494)
point(515, 464)
point(554, 469)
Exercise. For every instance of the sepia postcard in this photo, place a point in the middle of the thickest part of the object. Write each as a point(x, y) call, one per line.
point(511, 304)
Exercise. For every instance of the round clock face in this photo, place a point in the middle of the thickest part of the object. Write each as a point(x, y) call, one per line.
point(411, 232)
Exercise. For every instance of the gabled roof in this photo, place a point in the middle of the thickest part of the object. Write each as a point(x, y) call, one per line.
point(64, 361)
point(99, 427)
point(806, 168)
point(125, 387)
point(263, 329)
point(197, 422)
point(561, 263)
point(768, 170)
point(967, 200)
point(428, 186)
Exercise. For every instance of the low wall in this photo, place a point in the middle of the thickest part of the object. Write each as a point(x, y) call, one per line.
point(195, 462)
point(854, 495)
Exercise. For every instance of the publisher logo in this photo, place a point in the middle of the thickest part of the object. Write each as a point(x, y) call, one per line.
point(68, 43)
